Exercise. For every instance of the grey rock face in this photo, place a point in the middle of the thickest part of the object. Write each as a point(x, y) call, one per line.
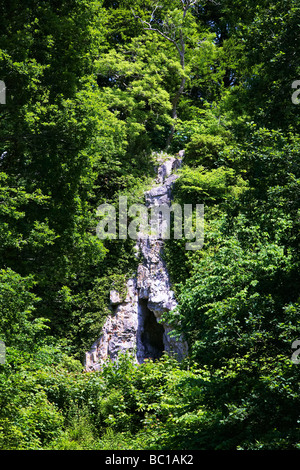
point(134, 325)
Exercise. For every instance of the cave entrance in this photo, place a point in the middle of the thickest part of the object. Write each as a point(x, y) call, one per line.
point(152, 333)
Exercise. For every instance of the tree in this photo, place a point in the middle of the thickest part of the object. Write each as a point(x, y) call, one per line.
point(176, 27)
point(267, 65)
point(56, 137)
point(238, 296)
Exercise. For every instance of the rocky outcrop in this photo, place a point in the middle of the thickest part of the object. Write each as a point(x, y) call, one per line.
point(135, 323)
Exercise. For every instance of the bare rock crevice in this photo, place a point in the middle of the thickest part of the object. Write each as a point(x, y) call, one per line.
point(135, 322)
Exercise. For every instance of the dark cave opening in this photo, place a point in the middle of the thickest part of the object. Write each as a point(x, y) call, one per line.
point(152, 333)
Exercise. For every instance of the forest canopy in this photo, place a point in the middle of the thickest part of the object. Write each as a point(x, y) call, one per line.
point(93, 90)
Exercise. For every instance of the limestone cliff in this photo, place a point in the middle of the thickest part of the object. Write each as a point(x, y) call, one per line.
point(134, 324)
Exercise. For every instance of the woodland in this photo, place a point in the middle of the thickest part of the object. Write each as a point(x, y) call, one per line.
point(94, 91)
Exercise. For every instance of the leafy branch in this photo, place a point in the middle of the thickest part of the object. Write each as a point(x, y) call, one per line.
point(173, 33)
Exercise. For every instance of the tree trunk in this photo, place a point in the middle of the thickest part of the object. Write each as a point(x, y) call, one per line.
point(179, 92)
point(174, 111)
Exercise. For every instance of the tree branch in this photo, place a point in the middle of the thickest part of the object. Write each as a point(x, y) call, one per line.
point(165, 37)
point(179, 44)
point(148, 27)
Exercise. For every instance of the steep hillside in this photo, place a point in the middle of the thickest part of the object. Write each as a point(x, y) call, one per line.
point(91, 94)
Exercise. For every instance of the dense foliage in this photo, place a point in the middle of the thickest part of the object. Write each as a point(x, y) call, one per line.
point(93, 89)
